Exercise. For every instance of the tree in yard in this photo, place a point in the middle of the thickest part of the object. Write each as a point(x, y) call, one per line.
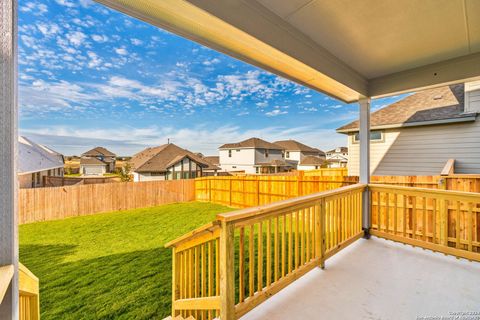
point(125, 172)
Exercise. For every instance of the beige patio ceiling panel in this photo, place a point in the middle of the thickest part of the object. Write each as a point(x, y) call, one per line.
point(345, 48)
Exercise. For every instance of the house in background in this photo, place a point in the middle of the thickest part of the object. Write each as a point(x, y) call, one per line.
point(167, 162)
point(420, 133)
point(97, 161)
point(311, 163)
point(35, 162)
point(253, 155)
point(214, 166)
point(337, 158)
point(296, 152)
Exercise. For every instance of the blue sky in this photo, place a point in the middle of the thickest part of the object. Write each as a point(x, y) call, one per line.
point(90, 76)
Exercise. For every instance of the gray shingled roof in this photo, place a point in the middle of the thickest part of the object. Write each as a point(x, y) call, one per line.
point(312, 161)
point(252, 143)
point(421, 108)
point(99, 151)
point(33, 157)
point(293, 145)
point(92, 161)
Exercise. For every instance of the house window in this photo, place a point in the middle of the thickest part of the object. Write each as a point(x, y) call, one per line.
point(257, 170)
point(266, 153)
point(288, 154)
point(37, 178)
point(229, 153)
point(374, 136)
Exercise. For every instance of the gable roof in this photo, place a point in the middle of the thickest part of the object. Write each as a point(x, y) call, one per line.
point(431, 106)
point(214, 160)
point(341, 150)
point(99, 151)
point(293, 145)
point(92, 161)
point(34, 157)
point(312, 161)
point(159, 159)
point(255, 143)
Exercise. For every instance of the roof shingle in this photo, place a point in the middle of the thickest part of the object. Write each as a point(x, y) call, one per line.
point(252, 143)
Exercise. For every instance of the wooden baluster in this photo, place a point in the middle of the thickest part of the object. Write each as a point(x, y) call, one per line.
point(251, 262)
point(269, 253)
point(307, 227)
point(457, 226)
point(284, 244)
point(241, 266)
point(434, 220)
point(204, 274)
point(297, 239)
point(290, 243)
point(379, 224)
point(260, 258)
point(404, 216)
point(424, 222)
point(414, 217)
point(275, 248)
point(445, 222)
point(395, 214)
point(190, 273)
point(470, 226)
point(387, 213)
point(302, 237)
point(175, 278)
point(210, 274)
point(197, 271)
point(217, 266)
point(321, 217)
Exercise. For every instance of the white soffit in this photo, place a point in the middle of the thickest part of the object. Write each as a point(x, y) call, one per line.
point(345, 48)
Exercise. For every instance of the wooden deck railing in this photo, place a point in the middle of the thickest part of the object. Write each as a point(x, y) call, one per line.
point(29, 302)
point(443, 221)
point(230, 266)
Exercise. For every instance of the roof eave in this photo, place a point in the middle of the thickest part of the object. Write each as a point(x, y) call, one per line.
point(414, 124)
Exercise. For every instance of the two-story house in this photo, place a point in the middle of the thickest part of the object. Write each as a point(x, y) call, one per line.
point(303, 156)
point(421, 132)
point(253, 155)
point(337, 158)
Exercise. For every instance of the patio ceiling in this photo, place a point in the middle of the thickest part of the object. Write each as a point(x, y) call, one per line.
point(347, 49)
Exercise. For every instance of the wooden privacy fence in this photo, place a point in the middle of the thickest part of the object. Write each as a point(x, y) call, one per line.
point(443, 221)
point(49, 181)
point(250, 191)
point(228, 267)
point(41, 204)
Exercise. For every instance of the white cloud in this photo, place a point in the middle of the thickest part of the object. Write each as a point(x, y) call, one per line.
point(36, 8)
point(95, 60)
point(99, 38)
point(65, 3)
point(48, 29)
point(121, 51)
point(211, 61)
point(275, 113)
point(136, 42)
point(76, 38)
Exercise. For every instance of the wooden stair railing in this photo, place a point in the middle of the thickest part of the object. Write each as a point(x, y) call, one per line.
point(29, 303)
point(228, 267)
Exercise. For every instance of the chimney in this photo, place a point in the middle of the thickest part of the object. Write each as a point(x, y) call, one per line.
point(472, 96)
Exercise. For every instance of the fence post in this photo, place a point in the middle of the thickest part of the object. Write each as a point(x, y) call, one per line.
point(227, 272)
point(230, 194)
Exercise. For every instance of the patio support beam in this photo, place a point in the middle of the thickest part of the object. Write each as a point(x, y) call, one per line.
point(8, 146)
point(364, 106)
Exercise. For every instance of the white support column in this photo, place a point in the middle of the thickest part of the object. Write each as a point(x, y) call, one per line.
point(365, 160)
point(8, 149)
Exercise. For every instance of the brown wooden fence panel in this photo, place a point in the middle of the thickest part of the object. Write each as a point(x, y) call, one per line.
point(42, 204)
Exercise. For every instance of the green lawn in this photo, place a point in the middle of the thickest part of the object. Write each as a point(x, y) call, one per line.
point(109, 266)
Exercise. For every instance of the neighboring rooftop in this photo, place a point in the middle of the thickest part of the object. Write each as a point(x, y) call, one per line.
point(339, 150)
point(311, 161)
point(214, 160)
point(252, 143)
point(438, 105)
point(293, 145)
point(34, 157)
point(99, 151)
point(159, 159)
point(92, 161)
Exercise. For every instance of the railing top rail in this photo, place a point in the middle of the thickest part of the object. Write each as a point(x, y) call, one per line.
point(6, 275)
point(447, 194)
point(254, 212)
point(205, 229)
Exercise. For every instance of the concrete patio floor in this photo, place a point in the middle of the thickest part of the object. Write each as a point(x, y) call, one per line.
point(379, 279)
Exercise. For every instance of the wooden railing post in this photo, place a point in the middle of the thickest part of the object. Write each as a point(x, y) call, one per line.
point(175, 277)
point(320, 241)
point(227, 272)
